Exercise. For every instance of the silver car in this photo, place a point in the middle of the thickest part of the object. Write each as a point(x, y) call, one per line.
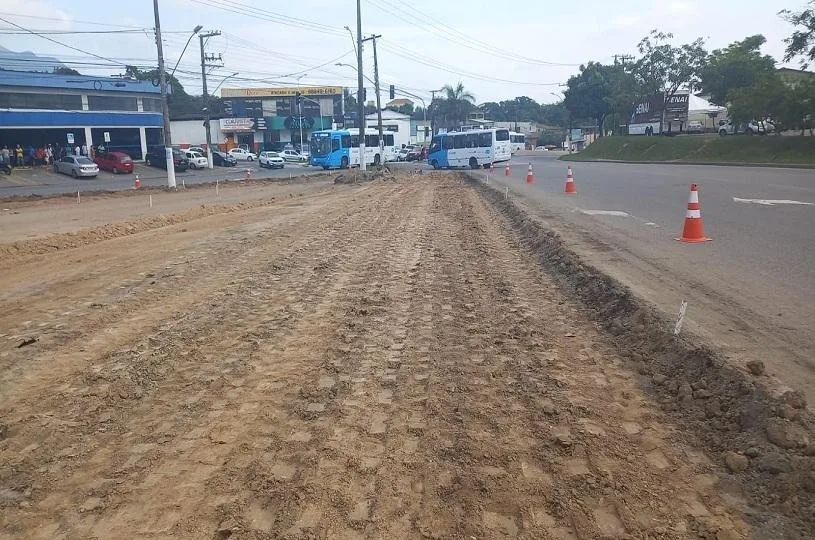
point(76, 166)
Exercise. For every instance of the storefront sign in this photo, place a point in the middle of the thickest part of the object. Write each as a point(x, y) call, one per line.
point(106, 135)
point(237, 124)
point(260, 124)
point(295, 122)
point(70, 138)
point(282, 92)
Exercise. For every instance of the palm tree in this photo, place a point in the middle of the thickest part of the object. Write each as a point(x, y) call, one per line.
point(455, 105)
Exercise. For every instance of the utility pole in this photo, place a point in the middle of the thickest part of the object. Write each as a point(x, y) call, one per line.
point(376, 89)
point(208, 112)
point(360, 93)
point(165, 110)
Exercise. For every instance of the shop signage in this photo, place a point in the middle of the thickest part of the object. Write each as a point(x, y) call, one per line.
point(260, 124)
point(237, 124)
point(294, 122)
point(282, 92)
point(70, 138)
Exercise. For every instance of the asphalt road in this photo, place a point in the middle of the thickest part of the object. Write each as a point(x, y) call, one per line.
point(758, 271)
point(43, 181)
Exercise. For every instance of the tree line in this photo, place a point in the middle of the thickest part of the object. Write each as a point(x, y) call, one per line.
point(737, 76)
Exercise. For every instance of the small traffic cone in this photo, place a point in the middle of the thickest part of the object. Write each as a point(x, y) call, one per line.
point(530, 176)
point(570, 188)
point(492, 167)
point(248, 174)
point(507, 171)
point(137, 182)
point(693, 231)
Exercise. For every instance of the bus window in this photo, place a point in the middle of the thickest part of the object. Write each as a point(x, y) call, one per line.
point(388, 139)
point(354, 141)
point(435, 144)
point(335, 144)
point(459, 141)
point(346, 141)
point(501, 134)
point(472, 140)
point(485, 140)
point(447, 142)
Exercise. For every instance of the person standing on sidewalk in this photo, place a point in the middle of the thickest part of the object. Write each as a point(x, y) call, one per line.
point(18, 155)
point(6, 155)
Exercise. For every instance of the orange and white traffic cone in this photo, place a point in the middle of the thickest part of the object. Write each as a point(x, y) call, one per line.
point(693, 231)
point(530, 176)
point(137, 182)
point(570, 188)
point(507, 171)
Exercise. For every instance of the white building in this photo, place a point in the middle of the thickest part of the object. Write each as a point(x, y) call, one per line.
point(393, 122)
point(188, 133)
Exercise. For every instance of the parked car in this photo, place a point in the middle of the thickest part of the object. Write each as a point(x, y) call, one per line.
point(241, 154)
point(695, 126)
point(415, 154)
point(196, 160)
point(76, 166)
point(198, 149)
point(115, 162)
point(293, 156)
point(727, 127)
point(222, 159)
point(403, 152)
point(541, 149)
point(272, 160)
point(155, 158)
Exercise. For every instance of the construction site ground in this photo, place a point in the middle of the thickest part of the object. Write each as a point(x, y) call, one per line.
point(316, 360)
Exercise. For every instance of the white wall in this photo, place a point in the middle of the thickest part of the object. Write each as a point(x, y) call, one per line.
point(390, 119)
point(192, 132)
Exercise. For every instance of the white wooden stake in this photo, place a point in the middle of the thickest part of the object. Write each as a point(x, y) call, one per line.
point(681, 319)
point(151, 201)
point(506, 193)
point(216, 188)
point(77, 197)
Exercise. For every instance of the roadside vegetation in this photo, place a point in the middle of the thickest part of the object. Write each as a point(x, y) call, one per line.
point(775, 150)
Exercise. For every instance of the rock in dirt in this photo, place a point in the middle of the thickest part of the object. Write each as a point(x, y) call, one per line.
point(91, 504)
point(736, 462)
point(786, 434)
point(773, 463)
point(3, 431)
point(795, 399)
point(755, 367)
point(659, 380)
point(226, 528)
point(727, 534)
point(703, 394)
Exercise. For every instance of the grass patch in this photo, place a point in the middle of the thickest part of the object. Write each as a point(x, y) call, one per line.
point(770, 150)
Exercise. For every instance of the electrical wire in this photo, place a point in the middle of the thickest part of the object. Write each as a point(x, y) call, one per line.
point(271, 16)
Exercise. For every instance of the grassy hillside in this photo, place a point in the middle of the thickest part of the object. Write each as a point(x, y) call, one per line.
point(703, 149)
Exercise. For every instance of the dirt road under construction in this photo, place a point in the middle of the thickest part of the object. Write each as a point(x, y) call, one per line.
point(390, 359)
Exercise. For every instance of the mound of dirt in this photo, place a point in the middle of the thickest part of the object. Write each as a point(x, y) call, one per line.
point(725, 410)
point(356, 176)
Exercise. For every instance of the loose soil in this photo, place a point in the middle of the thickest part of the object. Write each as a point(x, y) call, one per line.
point(376, 360)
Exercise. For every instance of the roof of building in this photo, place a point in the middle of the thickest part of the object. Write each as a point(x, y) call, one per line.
point(389, 115)
point(398, 102)
point(33, 79)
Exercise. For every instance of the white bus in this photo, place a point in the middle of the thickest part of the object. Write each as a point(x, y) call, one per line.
point(374, 153)
point(517, 141)
point(475, 148)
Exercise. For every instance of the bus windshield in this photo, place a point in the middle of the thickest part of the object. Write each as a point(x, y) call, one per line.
point(320, 146)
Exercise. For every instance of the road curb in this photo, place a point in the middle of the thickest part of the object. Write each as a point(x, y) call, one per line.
point(715, 163)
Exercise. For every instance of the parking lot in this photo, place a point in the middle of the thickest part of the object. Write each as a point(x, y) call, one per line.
point(44, 181)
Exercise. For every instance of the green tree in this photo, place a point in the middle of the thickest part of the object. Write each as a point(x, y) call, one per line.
point(739, 65)
point(554, 114)
point(454, 106)
point(62, 70)
point(590, 93)
point(769, 97)
point(802, 41)
point(494, 111)
point(666, 68)
point(179, 102)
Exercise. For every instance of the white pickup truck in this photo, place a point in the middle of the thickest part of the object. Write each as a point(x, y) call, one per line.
point(727, 127)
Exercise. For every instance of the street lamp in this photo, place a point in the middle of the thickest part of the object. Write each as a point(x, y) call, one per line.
point(354, 68)
point(300, 110)
point(194, 32)
point(223, 81)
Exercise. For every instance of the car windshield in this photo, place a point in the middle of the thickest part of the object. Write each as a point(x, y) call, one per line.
point(126, 159)
point(84, 161)
point(272, 154)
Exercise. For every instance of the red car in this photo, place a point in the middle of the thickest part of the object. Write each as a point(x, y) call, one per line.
point(115, 162)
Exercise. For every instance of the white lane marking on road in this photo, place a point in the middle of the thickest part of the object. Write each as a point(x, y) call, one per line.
point(770, 202)
point(652, 224)
point(616, 213)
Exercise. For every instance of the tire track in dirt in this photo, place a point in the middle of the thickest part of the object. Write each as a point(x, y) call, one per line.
point(100, 404)
point(400, 369)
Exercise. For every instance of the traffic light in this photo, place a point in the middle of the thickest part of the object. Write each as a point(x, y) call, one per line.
point(393, 91)
point(297, 99)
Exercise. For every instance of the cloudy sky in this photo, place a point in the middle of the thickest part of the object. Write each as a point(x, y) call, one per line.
point(497, 49)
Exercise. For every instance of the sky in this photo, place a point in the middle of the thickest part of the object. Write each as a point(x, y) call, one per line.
point(498, 50)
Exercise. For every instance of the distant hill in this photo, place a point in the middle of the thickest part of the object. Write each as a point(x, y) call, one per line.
point(27, 61)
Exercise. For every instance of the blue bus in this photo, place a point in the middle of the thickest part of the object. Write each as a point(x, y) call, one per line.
point(337, 149)
point(473, 149)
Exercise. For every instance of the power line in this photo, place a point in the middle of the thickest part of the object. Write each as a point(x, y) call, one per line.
point(109, 25)
point(271, 16)
point(55, 41)
point(75, 32)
